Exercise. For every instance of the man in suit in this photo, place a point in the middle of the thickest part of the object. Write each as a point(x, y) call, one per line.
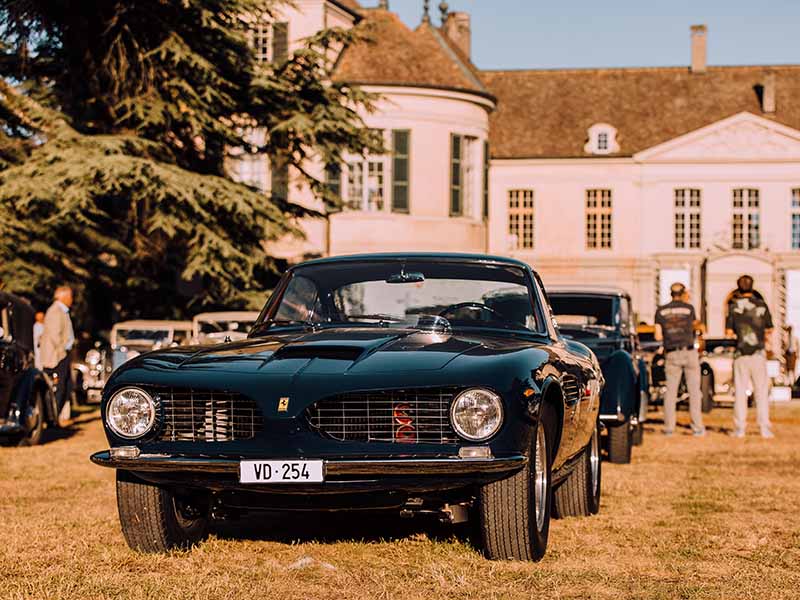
point(55, 345)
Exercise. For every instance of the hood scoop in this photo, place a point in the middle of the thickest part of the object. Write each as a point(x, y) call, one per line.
point(309, 351)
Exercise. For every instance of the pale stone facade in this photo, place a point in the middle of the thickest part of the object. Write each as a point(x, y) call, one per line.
point(742, 151)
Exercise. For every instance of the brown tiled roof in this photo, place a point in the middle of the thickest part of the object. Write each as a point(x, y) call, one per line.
point(396, 55)
point(351, 5)
point(546, 113)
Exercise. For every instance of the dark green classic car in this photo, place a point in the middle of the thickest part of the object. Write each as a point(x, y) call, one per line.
point(419, 383)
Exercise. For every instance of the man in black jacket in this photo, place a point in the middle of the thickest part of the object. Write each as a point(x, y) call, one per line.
point(750, 322)
point(675, 323)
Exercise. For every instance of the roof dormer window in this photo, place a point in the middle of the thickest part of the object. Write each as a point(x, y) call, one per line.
point(602, 139)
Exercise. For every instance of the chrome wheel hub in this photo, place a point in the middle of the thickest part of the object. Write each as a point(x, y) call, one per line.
point(594, 461)
point(540, 478)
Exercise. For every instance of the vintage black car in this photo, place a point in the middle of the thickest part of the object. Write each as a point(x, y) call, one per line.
point(26, 398)
point(419, 383)
point(602, 318)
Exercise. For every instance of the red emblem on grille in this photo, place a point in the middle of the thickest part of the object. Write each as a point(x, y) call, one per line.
point(403, 424)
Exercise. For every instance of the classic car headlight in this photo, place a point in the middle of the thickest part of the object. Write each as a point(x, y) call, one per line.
point(477, 414)
point(93, 358)
point(131, 413)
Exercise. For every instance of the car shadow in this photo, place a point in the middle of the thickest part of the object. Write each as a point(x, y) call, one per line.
point(366, 527)
point(84, 417)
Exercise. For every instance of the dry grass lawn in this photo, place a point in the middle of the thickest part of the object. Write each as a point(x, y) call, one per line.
point(690, 518)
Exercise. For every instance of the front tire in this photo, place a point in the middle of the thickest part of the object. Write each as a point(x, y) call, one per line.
point(154, 519)
point(620, 442)
point(33, 419)
point(515, 512)
point(579, 494)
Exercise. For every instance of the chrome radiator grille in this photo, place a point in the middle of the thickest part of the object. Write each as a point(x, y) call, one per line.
point(419, 416)
point(207, 416)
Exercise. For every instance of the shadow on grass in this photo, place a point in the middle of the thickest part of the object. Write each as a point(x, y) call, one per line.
point(334, 527)
point(82, 416)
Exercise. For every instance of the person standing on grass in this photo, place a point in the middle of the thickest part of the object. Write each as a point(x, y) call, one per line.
point(750, 322)
point(55, 345)
point(38, 328)
point(675, 325)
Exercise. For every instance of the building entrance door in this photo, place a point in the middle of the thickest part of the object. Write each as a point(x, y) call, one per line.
point(722, 271)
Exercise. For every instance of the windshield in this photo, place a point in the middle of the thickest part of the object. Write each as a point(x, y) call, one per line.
point(411, 294)
point(239, 326)
point(142, 336)
point(583, 311)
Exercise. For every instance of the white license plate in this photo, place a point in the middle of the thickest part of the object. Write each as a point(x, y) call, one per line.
point(281, 471)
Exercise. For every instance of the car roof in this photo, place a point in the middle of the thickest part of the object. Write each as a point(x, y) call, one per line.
point(587, 290)
point(152, 324)
point(421, 256)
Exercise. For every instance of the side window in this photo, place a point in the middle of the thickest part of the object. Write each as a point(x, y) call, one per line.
point(550, 325)
point(625, 315)
point(300, 301)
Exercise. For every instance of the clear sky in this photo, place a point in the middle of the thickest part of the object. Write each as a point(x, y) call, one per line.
point(621, 33)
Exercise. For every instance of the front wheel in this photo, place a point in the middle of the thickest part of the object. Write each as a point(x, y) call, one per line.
point(33, 421)
point(154, 519)
point(620, 442)
point(515, 512)
point(579, 494)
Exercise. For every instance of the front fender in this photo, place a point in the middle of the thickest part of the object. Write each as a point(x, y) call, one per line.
point(34, 380)
point(620, 394)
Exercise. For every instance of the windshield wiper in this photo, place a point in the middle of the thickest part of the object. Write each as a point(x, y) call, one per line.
point(268, 323)
point(383, 320)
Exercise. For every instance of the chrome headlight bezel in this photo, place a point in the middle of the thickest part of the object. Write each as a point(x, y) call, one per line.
point(499, 418)
point(150, 409)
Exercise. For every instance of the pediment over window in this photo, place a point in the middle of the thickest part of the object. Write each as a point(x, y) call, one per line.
point(744, 137)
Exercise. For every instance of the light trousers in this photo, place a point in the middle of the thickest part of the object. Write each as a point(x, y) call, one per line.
point(687, 363)
point(751, 370)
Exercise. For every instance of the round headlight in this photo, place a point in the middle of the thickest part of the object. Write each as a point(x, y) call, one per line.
point(131, 413)
point(477, 414)
point(92, 357)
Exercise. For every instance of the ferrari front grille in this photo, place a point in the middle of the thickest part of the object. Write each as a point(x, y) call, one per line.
point(409, 416)
point(195, 415)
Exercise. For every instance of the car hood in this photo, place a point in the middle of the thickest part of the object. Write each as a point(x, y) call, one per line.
point(602, 343)
point(352, 351)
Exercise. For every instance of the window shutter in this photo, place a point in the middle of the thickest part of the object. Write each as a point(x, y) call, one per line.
point(486, 180)
point(280, 179)
point(333, 179)
point(401, 162)
point(280, 42)
point(456, 207)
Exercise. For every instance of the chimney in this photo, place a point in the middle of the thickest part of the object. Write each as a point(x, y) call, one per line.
point(699, 48)
point(457, 27)
point(768, 93)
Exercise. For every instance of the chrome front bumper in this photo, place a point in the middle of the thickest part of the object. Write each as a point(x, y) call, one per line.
point(154, 463)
